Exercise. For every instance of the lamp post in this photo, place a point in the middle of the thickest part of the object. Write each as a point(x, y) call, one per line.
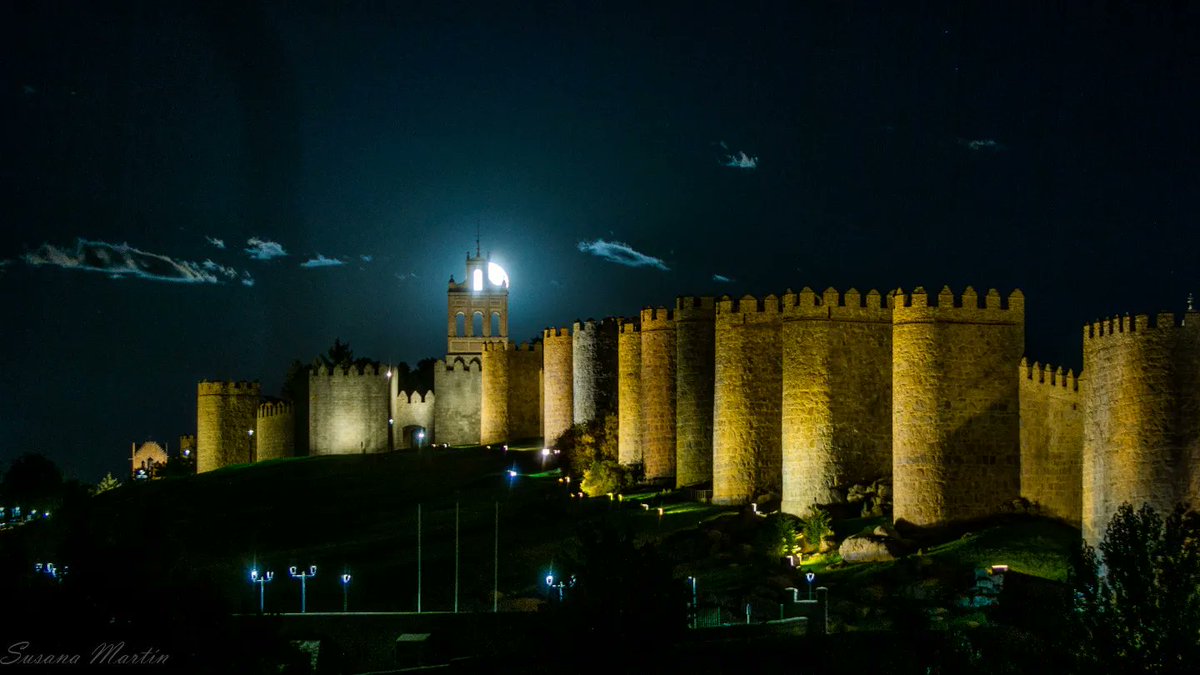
point(345, 592)
point(545, 454)
point(420, 438)
point(261, 580)
point(303, 577)
point(249, 446)
point(695, 608)
point(810, 577)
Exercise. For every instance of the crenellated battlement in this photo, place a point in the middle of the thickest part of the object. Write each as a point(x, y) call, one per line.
point(627, 325)
point(833, 305)
point(1045, 374)
point(657, 318)
point(695, 308)
point(964, 308)
point(373, 369)
point(551, 333)
point(229, 388)
point(749, 309)
point(274, 409)
point(459, 364)
point(1141, 323)
point(591, 325)
point(414, 397)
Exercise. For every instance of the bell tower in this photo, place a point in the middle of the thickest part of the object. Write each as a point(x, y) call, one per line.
point(477, 308)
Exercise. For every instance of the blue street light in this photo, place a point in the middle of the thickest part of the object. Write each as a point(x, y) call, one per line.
point(345, 591)
point(811, 577)
point(261, 580)
point(303, 577)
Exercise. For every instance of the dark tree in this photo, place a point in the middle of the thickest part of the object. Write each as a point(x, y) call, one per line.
point(32, 481)
point(1138, 598)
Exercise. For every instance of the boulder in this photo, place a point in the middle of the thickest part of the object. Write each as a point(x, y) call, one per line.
point(886, 530)
point(862, 548)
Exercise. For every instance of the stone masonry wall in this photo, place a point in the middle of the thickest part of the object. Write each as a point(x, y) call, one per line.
point(349, 410)
point(629, 392)
point(694, 372)
point(658, 393)
point(837, 394)
point(494, 418)
point(524, 386)
point(458, 386)
point(275, 434)
point(747, 399)
point(225, 412)
point(956, 436)
point(558, 392)
point(1051, 440)
point(412, 409)
point(594, 365)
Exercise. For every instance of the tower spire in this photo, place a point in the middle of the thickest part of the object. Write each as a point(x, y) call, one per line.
point(477, 254)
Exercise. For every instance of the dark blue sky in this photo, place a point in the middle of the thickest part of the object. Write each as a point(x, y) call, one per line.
point(1001, 145)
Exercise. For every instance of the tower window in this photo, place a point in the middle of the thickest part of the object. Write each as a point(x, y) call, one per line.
point(495, 324)
point(477, 280)
point(460, 325)
point(477, 324)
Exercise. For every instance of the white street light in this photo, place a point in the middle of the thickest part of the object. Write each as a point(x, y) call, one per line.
point(345, 591)
point(811, 577)
point(261, 580)
point(303, 577)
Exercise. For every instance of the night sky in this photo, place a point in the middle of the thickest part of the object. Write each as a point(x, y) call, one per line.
point(212, 189)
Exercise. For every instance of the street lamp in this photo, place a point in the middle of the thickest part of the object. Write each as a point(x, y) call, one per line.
point(345, 591)
point(249, 446)
point(560, 585)
point(303, 577)
point(261, 580)
point(811, 577)
point(420, 438)
point(695, 607)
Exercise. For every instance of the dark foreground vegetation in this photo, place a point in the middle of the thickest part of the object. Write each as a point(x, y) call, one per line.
point(164, 565)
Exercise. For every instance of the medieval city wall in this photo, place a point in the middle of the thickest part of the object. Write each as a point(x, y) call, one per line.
point(837, 394)
point(955, 424)
point(694, 373)
point(409, 410)
point(225, 413)
point(457, 406)
point(1051, 439)
point(629, 392)
point(275, 434)
point(594, 366)
point(557, 376)
point(349, 409)
point(495, 380)
point(1136, 446)
point(747, 399)
point(524, 392)
point(658, 392)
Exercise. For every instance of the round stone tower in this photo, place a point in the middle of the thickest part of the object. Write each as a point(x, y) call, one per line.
point(694, 363)
point(658, 392)
point(1141, 442)
point(276, 431)
point(557, 375)
point(746, 399)
point(955, 412)
point(225, 417)
point(837, 395)
point(594, 364)
point(493, 419)
point(629, 397)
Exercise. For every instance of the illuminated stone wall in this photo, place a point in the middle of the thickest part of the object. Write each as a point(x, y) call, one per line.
point(594, 365)
point(495, 386)
point(658, 393)
point(412, 409)
point(1051, 440)
point(225, 412)
point(456, 408)
point(349, 410)
point(956, 444)
point(1141, 436)
point(275, 434)
point(747, 399)
point(694, 364)
point(557, 374)
point(837, 394)
point(524, 391)
point(629, 396)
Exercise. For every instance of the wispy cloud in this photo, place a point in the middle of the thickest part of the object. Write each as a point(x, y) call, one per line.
point(264, 249)
point(984, 144)
point(124, 261)
point(621, 254)
point(367, 258)
point(219, 243)
point(322, 261)
point(405, 276)
point(740, 161)
point(721, 278)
